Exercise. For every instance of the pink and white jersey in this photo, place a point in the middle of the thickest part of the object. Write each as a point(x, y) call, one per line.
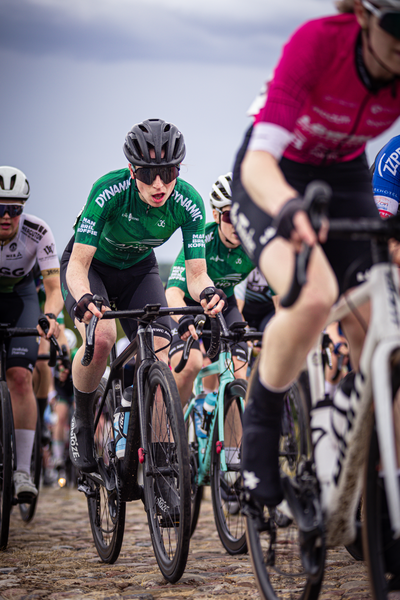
point(318, 110)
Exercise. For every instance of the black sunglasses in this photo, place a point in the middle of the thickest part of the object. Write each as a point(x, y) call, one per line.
point(225, 216)
point(14, 210)
point(389, 20)
point(148, 174)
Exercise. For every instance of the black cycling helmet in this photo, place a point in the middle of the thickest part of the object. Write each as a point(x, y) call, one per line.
point(158, 135)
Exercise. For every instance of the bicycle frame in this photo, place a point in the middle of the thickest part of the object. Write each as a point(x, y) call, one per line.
point(224, 368)
point(373, 380)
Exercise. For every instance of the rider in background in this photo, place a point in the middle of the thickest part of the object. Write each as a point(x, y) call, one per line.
point(336, 86)
point(128, 213)
point(227, 265)
point(24, 239)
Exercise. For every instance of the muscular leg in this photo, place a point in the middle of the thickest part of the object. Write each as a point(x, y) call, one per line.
point(19, 381)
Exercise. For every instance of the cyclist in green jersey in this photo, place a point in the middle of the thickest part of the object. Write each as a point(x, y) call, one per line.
point(128, 213)
point(227, 265)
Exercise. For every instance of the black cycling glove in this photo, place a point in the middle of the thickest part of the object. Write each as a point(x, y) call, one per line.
point(82, 306)
point(209, 292)
point(283, 222)
point(184, 323)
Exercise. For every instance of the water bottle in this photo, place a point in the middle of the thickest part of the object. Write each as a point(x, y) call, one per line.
point(208, 409)
point(121, 422)
point(198, 415)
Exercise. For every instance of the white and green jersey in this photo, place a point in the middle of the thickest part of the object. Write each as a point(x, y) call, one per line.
point(124, 229)
point(225, 266)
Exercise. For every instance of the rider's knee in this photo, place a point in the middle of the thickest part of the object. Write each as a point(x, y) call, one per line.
point(19, 379)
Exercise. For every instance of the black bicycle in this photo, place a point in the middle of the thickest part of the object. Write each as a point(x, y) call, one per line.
point(156, 439)
point(8, 453)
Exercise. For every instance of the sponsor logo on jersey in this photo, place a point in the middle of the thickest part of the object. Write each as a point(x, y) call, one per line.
point(87, 226)
point(389, 163)
point(176, 273)
point(111, 191)
point(130, 217)
point(197, 241)
point(49, 249)
point(239, 261)
point(13, 246)
point(19, 351)
point(188, 205)
point(229, 280)
point(338, 119)
point(161, 223)
point(13, 256)
point(33, 231)
point(217, 258)
point(15, 273)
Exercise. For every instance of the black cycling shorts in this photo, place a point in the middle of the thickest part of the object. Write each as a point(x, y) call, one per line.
point(231, 315)
point(352, 197)
point(20, 308)
point(123, 289)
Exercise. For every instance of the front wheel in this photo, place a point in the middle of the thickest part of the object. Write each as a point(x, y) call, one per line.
point(166, 473)
point(6, 428)
point(226, 486)
point(105, 507)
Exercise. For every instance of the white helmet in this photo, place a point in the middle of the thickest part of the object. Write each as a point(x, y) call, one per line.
point(13, 184)
point(221, 194)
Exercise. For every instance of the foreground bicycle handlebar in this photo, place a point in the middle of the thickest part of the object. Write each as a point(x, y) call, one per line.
point(377, 231)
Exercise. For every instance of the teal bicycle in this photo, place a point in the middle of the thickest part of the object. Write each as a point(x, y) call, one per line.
point(214, 430)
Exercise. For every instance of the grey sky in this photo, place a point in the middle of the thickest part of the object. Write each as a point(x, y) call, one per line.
point(77, 74)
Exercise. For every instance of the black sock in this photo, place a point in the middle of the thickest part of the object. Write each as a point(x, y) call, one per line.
point(261, 433)
point(84, 406)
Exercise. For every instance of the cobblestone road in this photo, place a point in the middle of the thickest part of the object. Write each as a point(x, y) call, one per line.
point(54, 558)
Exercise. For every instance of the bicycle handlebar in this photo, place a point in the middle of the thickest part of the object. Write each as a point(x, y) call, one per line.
point(147, 314)
point(199, 324)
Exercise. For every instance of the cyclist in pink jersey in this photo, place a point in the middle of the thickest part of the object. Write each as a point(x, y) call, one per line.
point(335, 87)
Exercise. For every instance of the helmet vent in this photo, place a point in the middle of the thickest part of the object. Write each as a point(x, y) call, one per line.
point(12, 181)
point(1, 182)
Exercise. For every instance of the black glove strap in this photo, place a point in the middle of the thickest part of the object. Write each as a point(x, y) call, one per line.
point(82, 306)
point(283, 222)
point(184, 323)
point(51, 316)
point(209, 292)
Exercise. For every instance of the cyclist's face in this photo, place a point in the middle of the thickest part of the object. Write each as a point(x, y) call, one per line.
point(384, 46)
point(8, 225)
point(158, 192)
point(229, 236)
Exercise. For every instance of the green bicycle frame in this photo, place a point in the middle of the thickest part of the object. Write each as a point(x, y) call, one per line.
point(224, 368)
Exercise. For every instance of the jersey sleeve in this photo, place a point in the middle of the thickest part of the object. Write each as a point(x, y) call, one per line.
point(240, 289)
point(93, 217)
point(386, 178)
point(47, 257)
point(193, 228)
point(297, 73)
point(177, 277)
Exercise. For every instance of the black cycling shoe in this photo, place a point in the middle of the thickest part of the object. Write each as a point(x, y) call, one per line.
point(81, 445)
point(260, 445)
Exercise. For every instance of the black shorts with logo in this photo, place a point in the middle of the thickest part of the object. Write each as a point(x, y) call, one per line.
point(123, 289)
point(352, 197)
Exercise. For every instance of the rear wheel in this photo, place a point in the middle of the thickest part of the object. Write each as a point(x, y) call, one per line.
point(27, 510)
point(106, 510)
point(6, 460)
point(166, 473)
point(280, 562)
point(226, 486)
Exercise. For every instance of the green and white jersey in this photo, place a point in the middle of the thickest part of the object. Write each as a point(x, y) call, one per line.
point(124, 229)
point(225, 266)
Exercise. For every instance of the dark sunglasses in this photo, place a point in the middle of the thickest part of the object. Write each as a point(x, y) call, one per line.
point(148, 174)
point(389, 20)
point(225, 216)
point(14, 210)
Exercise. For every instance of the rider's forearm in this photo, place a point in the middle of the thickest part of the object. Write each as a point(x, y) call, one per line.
point(264, 181)
point(175, 297)
point(197, 284)
point(54, 302)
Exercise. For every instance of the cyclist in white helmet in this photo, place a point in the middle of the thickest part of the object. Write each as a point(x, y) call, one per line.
point(227, 265)
point(24, 239)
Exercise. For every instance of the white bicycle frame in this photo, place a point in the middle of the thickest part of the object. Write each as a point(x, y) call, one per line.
point(373, 381)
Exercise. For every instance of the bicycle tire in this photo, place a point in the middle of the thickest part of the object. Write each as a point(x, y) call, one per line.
point(6, 464)
point(196, 491)
point(294, 440)
point(226, 487)
point(106, 509)
point(273, 537)
point(166, 469)
point(27, 510)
